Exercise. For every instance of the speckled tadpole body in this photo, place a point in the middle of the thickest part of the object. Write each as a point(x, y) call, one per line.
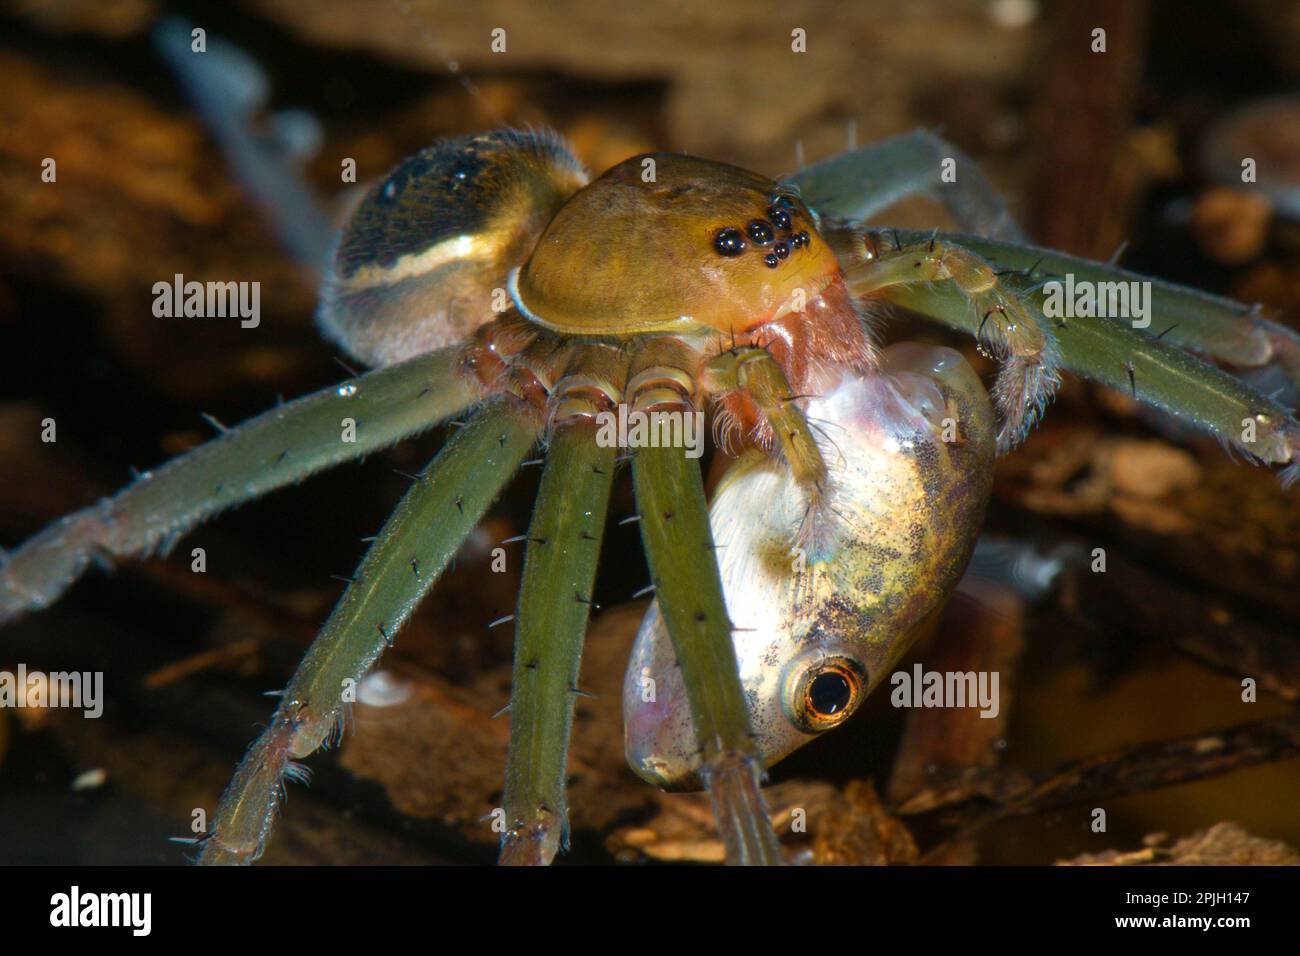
point(821, 614)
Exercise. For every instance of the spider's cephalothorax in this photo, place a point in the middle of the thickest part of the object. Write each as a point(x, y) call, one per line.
point(669, 281)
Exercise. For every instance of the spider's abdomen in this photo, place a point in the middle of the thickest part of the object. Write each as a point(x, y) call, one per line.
point(666, 242)
point(417, 265)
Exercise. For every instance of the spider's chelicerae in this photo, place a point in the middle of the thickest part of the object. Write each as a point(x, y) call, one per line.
point(488, 276)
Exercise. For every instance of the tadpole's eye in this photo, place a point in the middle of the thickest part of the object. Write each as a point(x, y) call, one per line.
point(825, 692)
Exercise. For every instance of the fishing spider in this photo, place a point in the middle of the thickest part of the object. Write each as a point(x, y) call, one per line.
point(487, 276)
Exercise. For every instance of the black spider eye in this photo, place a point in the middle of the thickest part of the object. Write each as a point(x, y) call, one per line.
point(760, 232)
point(728, 241)
point(829, 693)
point(779, 215)
point(770, 260)
point(782, 249)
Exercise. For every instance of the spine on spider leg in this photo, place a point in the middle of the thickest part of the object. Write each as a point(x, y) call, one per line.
point(274, 449)
point(407, 557)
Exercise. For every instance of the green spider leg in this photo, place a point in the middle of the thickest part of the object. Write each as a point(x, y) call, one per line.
point(405, 560)
point(1219, 328)
point(684, 571)
point(277, 448)
point(1106, 350)
point(554, 604)
point(228, 89)
point(857, 184)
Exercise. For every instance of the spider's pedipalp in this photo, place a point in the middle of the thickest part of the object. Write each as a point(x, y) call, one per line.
point(432, 520)
point(1001, 318)
point(748, 379)
point(277, 448)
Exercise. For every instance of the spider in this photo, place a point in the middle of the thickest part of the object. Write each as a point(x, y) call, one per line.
point(490, 276)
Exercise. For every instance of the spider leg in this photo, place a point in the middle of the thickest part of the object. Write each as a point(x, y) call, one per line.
point(1149, 366)
point(992, 310)
point(431, 522)
point(860, 183)
point(228, 90)
point(684, 571)
point(554, 604)
point(1219, 328)
point(274, 449)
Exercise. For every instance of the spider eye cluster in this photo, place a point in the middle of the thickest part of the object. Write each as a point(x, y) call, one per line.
point(730, 241)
